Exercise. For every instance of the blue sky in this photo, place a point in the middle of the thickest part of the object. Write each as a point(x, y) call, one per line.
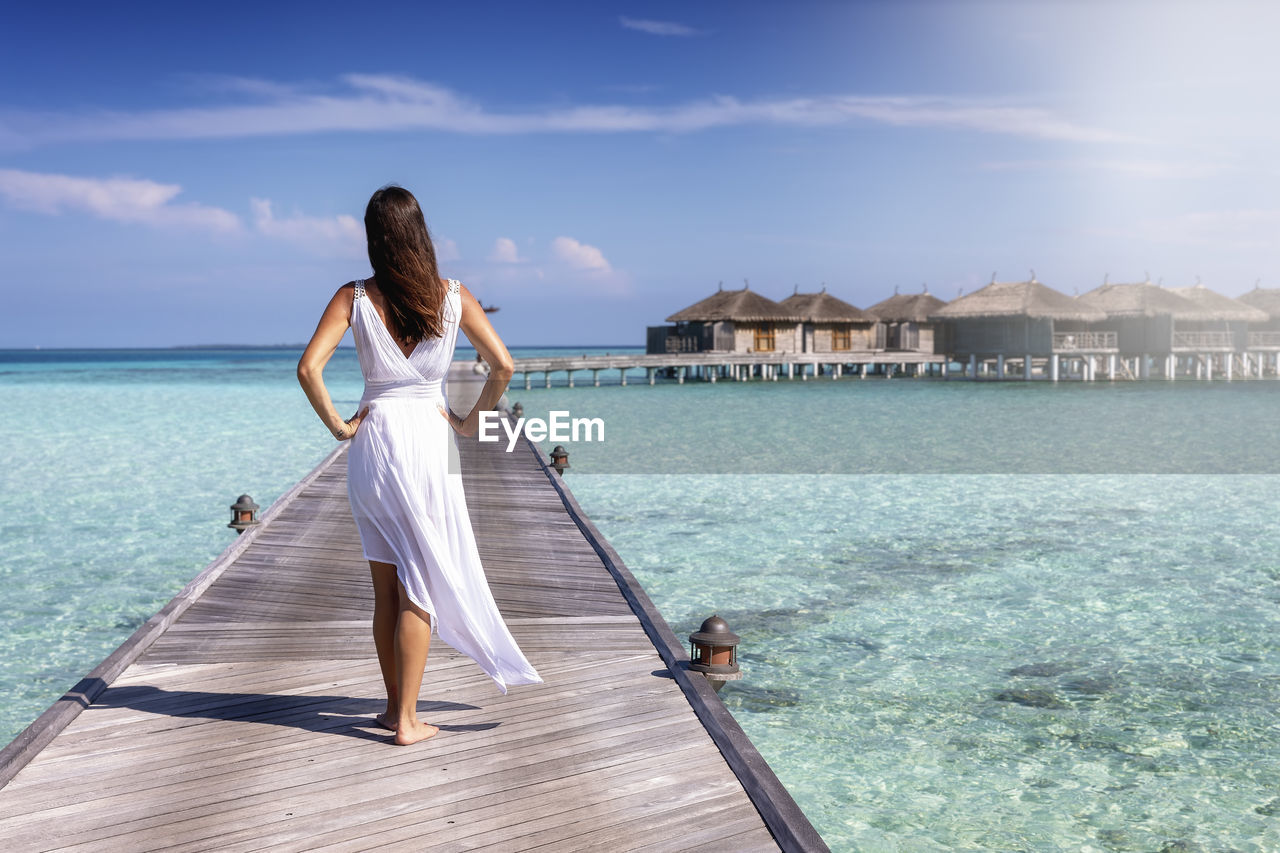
point(174, 175)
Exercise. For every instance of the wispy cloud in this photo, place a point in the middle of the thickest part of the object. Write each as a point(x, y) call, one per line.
point(579, 256)
point(505, 251)
point(446, 249)
point(342, 233)
point(383, 102)
point(1154, 169)
point(658, 28)
point(117, 199)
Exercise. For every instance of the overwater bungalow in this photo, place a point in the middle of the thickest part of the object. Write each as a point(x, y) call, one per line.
point(829, 324)
point(904, 324)
point(1155, 326)
point(728, 321)
point(1233, 316)
point(1022, 321)
point(1264, 335)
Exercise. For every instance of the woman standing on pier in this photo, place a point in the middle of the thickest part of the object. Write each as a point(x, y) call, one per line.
point(414, 527)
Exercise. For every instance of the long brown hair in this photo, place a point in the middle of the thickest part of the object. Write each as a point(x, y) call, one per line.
point(404, 264)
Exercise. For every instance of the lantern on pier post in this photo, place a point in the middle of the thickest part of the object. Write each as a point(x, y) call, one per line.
point(713, 651)
point(517, 411)
point(244, 514)
point(559, 459)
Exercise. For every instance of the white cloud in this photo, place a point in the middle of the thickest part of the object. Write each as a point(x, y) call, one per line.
point(505, 251)
point(341, 233)
point(657, 28)
point(446, 249)
point(580, 256)
point(386, 103)
point(117, 199)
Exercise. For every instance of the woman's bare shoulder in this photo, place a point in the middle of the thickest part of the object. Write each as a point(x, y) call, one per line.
point(344, 294)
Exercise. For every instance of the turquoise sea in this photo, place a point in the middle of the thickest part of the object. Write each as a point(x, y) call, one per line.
point(974, 615)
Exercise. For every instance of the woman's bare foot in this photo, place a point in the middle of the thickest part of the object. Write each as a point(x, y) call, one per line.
point(387, 721)
point(414, 731)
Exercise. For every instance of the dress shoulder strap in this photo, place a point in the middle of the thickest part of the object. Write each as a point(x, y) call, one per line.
point(455, 286)
point(359, 294)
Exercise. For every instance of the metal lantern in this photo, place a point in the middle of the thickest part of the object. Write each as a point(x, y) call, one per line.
point(713, 651)
point(559, 458)
point(517, 411)
point(244, 514)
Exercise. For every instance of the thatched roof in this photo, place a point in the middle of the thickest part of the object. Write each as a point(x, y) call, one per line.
point(822, 307)
point(1018, 299)
point(1226, 307)
point(742, 306)
point(906, 308)
point(1265, 299)
point(1142, 300)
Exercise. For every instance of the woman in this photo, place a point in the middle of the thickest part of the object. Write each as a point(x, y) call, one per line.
point(412, 517)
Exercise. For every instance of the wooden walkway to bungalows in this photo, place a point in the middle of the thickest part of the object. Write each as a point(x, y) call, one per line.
point(240, 716)
point(711, 366)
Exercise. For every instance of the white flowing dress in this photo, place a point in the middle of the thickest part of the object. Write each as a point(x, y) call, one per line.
point(409, 508)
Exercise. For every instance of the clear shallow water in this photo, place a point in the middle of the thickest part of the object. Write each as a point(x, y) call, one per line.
point(1009, 660)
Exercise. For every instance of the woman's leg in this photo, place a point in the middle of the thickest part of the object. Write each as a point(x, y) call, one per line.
point(386, 612)
point(413, 641)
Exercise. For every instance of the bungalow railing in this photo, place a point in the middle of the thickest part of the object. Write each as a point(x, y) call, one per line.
point(1201, 340)
point(1068, 341)
point(682, 343)
point(1264, 339)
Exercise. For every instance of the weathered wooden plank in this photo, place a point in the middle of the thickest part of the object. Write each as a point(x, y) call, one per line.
point(413, 816)
point(195, 814)
point(594, 827)
point(575, 697)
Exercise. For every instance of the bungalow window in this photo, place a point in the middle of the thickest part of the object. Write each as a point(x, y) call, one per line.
point(764, 338)
point(841, 339)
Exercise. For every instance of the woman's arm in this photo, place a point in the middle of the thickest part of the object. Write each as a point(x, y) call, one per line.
point(329, 331)
point(475, 323)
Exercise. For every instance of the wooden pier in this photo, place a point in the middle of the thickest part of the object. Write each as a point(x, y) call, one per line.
point(240, 717)
point(711, 367)
point(1071, 362)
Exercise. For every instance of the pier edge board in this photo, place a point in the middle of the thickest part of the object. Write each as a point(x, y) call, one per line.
point(781, 814)
point(35, 737)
